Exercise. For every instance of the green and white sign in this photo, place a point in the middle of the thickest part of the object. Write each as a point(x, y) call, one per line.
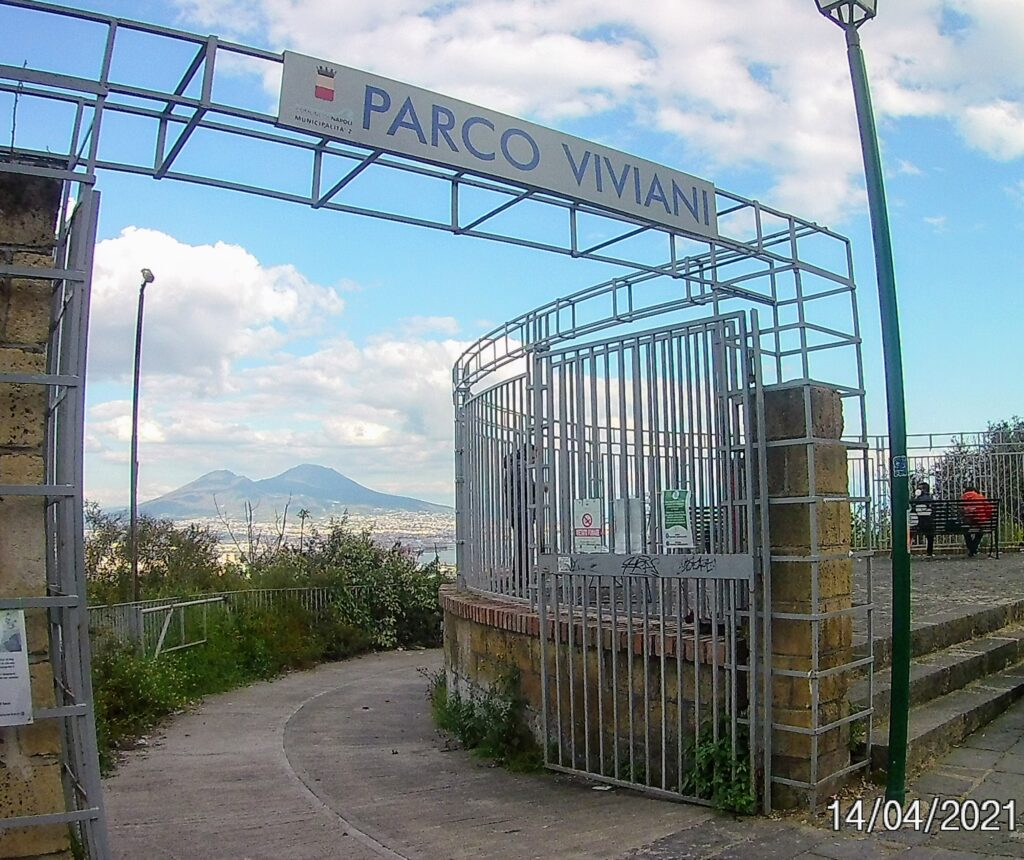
point(675, 505)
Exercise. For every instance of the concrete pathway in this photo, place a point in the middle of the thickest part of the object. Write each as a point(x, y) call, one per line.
point(343, 762)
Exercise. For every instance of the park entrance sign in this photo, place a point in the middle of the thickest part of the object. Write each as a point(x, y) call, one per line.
point(356, 107)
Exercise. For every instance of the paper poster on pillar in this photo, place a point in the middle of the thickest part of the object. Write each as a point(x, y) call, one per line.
point(588, 531)
point(676, 517)
point(15, 682)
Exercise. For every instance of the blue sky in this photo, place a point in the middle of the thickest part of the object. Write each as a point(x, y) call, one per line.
point(277, 335)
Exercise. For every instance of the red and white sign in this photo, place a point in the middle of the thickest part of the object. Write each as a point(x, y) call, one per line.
point(588, 526)
point(323, 88)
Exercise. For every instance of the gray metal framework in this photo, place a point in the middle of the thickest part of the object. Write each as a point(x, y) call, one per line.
point(175, 127)
point(797, 275)
point(621, 421)
point(65, 598)
point(536, 426)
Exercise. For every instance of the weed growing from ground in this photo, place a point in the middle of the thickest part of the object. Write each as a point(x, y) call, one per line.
point(492, 724)
point(720, 775)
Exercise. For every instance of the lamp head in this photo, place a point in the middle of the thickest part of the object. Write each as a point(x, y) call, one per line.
point(848, 13)
point(147, 276)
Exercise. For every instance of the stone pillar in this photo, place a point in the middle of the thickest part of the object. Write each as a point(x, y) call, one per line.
point(812, 574)
point(30, 782)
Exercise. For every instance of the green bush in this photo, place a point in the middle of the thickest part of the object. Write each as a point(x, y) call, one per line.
point(491, 725)
point(132, 694)
point(720, 773)
point(381, 599)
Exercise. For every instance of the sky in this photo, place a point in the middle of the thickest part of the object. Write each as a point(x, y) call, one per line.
point(276, 335)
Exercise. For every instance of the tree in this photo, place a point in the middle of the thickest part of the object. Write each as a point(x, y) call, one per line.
point(173, 560)
point(303, 516)
point(995, 465)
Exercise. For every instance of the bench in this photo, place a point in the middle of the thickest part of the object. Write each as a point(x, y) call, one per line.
point(954, 516)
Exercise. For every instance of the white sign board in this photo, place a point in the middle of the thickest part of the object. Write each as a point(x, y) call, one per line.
point(345, 104)
point(628, 512)
point(15, 682)
point(588, 534)
point(675, 506)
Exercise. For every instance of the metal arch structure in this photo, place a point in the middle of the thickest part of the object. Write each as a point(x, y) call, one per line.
point(182, 119)
point(779, 290)
point(578, 399)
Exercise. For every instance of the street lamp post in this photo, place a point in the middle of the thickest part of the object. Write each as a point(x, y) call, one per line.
point(133, 516)
point(850, 14)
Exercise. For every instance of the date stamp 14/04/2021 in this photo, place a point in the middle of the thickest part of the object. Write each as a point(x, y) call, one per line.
point(935, 815)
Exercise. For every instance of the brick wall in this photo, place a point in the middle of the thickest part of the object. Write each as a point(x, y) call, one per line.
point(486, 636)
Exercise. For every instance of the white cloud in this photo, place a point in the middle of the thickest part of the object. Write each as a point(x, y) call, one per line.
point(766, 89)
point(907, 168)
point(938, 222)
point(996, 128)
point(222, 390)
point(210, 306)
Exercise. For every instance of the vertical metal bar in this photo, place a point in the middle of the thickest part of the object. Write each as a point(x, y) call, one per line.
point(623, 493)
point(615, 679)
point(570, 581)
point(460, 487)
point(88, 757)
point(557, 639)
point(664, 685)
point(756, 428)
point(631, 653)
point(542, 610)
point(584, 672)
point(715, 716)
point(600, 650)
point(647, 680)
point(680, 654)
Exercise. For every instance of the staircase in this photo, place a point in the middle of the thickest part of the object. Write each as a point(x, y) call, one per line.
point(964, 672)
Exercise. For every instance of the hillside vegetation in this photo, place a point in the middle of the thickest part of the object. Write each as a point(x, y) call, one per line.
point(382, 599)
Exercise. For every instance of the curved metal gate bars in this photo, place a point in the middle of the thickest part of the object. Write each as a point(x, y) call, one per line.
point(65, 598)
point(649, 652)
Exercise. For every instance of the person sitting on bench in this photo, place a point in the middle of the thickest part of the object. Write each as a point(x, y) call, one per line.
point(977, 514)
point(921, 505)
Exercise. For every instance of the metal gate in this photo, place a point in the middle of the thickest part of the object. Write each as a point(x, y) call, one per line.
point(651, 664)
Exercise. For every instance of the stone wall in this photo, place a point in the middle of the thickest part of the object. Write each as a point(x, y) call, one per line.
point(810, 526)
point(486, 637)
point(30, 782)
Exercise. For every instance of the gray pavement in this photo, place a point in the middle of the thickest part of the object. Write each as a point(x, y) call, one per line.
point(343, 762)
point(943, 587)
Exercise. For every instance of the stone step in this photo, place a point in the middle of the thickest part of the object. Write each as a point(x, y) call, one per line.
point(940, 672)
point(942, 723)
point(953, 629)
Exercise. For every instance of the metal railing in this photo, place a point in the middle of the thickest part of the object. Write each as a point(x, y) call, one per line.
point(169, 624)
point(949, 463)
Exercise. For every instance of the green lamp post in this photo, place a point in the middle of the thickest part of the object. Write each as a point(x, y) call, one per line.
point(850, 15)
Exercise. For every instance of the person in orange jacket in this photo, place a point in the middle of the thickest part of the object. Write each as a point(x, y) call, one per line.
point(977, 514)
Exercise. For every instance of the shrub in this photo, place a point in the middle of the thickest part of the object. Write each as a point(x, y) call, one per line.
point(491, 724)
point(382, 599)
